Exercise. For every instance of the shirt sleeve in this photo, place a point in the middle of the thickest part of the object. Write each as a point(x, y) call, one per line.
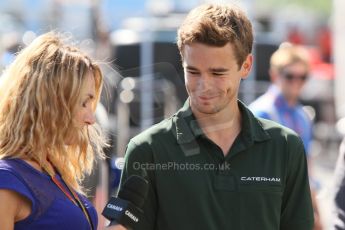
point(297, 210)
point(137, 156)
point(10, 181)
point(307, 127)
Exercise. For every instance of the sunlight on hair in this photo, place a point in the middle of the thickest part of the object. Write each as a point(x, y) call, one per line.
point(39, 93)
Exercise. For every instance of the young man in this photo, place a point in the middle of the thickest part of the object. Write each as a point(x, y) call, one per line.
point(213, 165)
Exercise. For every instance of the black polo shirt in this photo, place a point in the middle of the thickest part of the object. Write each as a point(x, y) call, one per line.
point(262, 183)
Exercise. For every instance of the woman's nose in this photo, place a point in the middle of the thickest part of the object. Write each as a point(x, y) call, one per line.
point(90, 118)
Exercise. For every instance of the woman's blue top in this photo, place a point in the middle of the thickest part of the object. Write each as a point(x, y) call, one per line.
point(50, 207)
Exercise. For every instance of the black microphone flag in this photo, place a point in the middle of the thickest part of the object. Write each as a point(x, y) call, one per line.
point(125, 209)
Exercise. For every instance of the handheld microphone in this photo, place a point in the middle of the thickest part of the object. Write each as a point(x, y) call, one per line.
point(125, 209)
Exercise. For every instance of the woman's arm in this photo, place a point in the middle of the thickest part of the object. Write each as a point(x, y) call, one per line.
point(11, 209)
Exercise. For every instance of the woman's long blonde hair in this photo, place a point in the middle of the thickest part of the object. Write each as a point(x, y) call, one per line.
point(39, 93)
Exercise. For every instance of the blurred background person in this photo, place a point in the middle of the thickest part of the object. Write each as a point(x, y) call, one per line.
point(48, 140)
point(289, 70)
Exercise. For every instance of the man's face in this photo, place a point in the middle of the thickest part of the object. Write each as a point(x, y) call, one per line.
point(292, 79)
point(212, 76)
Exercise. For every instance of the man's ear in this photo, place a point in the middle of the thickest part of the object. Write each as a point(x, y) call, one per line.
point(247, 66)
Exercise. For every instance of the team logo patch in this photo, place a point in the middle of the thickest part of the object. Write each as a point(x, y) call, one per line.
point(261, 179)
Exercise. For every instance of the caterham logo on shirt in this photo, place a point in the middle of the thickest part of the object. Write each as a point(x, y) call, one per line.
point(260, 179)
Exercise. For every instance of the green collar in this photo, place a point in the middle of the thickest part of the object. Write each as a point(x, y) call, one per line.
point(187, 128)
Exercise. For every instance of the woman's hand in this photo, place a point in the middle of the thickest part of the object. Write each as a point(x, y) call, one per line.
point(116, 227)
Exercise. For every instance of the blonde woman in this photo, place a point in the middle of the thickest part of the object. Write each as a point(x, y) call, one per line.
point(47, 101)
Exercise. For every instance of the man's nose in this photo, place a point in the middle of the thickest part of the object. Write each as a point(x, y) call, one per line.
point(205, 82)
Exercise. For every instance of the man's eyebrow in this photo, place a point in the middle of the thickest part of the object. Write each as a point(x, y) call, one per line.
point(220, 69)
point(191, 67)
